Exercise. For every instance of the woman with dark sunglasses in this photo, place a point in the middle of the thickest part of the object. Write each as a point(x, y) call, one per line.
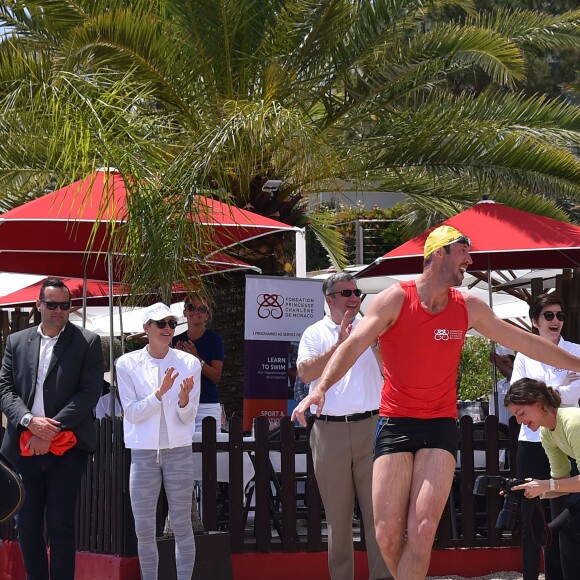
point(159, 389)
point(208, 347)
point(547, 316)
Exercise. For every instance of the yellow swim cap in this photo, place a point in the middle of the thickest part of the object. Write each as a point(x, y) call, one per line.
point(442, 236)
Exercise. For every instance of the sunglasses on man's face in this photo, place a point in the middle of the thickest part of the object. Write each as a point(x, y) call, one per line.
point(550, 315)
point(54, 305)
point(462, 240)
point(164, 323)
point(346, 293)
point(200, 309)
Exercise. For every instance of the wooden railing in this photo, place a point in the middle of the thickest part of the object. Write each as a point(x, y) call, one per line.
point(278, 510)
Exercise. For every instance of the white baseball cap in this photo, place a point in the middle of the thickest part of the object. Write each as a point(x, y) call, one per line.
point(157, 311)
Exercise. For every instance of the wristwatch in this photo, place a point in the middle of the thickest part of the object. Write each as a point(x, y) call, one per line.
point(25, 421)
point(202, 362)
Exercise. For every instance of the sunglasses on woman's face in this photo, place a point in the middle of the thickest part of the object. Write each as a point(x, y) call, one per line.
point(163, 323)
point(549, 315)
point(200, 309)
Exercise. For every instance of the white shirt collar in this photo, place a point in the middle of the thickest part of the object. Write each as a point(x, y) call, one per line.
point(39, 330)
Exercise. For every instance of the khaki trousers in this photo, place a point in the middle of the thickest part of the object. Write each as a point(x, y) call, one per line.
point(343, 465)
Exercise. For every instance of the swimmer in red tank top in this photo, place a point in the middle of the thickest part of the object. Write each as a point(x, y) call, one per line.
point(420, 328)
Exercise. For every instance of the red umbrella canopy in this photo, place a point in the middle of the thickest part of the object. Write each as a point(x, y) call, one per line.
point(97, 293)
point(51, 235)
point(94, 264)
point(502, 238)
point(231, 225)
point(64, 219)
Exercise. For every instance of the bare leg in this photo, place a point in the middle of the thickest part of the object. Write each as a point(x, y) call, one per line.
point(392, 476)
point(432, 477)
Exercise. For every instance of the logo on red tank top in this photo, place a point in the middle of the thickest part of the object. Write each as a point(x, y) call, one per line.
point(447, 334)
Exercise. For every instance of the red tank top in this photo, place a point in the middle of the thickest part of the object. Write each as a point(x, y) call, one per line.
point(421, 355)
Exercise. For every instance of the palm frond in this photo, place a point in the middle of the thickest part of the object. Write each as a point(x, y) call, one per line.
point(322, 225)
point(534, 30)
point(215, 97)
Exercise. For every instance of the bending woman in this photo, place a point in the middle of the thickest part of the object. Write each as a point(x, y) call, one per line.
point(537, 406)
point(159, 389)
point(547, 316)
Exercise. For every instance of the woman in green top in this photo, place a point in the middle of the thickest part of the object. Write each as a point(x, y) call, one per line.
point(537, 406)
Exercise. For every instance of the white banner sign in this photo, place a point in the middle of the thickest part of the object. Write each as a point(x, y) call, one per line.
point(280, 308)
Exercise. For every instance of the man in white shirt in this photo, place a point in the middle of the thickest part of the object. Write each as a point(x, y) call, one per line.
point(503, 358)
point(342, 438)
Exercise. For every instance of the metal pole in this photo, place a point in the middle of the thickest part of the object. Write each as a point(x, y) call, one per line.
point(113, 391)
point(121, 328)
point(300, 253)
point(359, 241)
point(494, 368)
point(85, 299)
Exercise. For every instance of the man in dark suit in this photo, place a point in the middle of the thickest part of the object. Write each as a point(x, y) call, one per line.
point(51, 379)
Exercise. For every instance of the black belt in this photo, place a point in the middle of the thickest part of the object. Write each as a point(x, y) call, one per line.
point(348, 418)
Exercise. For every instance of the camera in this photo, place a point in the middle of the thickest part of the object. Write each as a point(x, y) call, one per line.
point(508, 516)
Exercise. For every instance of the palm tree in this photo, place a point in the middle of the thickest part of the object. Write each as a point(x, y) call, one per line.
point(220, 96)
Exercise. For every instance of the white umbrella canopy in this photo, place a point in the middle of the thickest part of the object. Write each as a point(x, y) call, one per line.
point(505, 305)
point(128, 321)
point(525, 280)
point(10, 282)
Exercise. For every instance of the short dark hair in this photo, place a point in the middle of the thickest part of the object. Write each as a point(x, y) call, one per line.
point(52, 283)
point(542, 301)
point(529, 391)
point(329, 284)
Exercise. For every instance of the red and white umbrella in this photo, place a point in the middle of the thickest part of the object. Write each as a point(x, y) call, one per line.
point(502, 238)
point(94, 264)
point(67, 231)
point(97, 293)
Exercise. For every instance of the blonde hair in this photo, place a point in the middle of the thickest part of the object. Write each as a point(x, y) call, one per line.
point(200, 298)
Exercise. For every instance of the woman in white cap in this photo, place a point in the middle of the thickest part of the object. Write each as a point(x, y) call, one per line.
point(159, 389)
point(547, 316)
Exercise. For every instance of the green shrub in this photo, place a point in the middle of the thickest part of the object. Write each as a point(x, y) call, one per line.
point(105, 341)
point(475, 376)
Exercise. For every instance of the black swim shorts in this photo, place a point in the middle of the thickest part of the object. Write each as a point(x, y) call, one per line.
point(406, 435)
